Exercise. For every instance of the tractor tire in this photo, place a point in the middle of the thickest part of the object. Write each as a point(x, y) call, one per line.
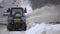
point(9, 27)
point(24, 27)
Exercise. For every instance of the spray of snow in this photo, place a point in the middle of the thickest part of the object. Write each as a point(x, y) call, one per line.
point(26, 4)
point(48, 13)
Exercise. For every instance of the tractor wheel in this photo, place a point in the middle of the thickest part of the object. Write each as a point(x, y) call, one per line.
point(9, 27)
point(24, 27)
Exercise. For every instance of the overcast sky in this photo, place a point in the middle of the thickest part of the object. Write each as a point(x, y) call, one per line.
point(1, 1)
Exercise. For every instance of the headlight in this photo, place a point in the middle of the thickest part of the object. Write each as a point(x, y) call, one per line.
point(17, 20)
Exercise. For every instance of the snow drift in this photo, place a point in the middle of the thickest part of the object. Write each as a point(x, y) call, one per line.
point(44, 29)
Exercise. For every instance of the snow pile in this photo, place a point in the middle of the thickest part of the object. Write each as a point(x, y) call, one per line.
point(49, 13)
point(44, 29)
point(36, 30)
point(30, 25)
point(53, 29)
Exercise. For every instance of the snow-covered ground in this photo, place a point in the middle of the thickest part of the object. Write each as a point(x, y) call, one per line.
point(37, 29)
point(44, 29)
point(3, 30)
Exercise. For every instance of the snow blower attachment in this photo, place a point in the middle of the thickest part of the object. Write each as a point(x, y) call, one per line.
point(16, 19)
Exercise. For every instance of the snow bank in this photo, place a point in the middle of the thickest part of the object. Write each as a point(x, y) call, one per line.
point(44, 29)
point(53, 29)
point(36, 30)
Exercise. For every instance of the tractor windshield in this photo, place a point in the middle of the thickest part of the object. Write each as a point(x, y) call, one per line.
point(17, 12)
